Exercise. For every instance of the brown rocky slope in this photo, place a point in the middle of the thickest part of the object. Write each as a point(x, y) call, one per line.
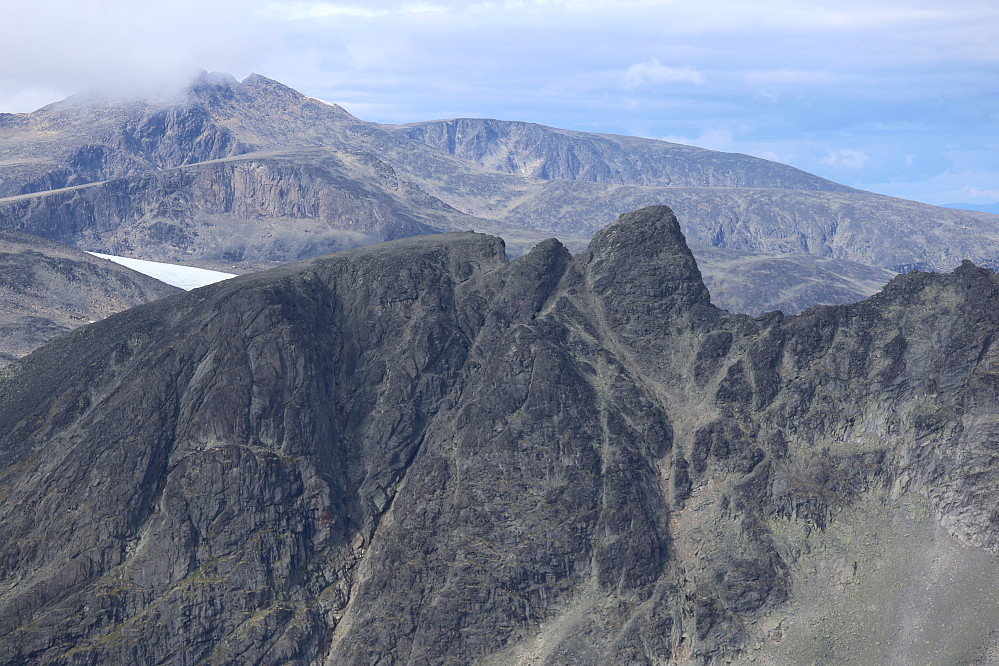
point(421, 452)
point(48, 289)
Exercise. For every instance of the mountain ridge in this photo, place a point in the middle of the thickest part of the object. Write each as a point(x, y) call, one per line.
point(549, 153)
point(422, 451)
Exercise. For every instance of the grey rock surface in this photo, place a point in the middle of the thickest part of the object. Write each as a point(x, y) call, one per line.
point(421, 452)
point(548, 153)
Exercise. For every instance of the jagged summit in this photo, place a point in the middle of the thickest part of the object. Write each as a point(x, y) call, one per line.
point(420, 452)
point(224, 94)
point(259, 82)
point(218, 79)
point(644, 255)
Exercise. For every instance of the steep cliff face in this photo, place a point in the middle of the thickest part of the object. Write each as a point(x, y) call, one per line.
point(210, 175)
point(250, 211)
point(82, 141)
point(421, 452)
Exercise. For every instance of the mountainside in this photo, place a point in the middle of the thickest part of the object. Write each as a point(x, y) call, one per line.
point(249, 211)
point(871, 229)
point(753, 283)
point(420, 452)
point(225, 173)
point(48, 289)
point(548, 153)
point(244, 175)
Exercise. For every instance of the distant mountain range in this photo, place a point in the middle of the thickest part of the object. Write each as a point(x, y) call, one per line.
point(456, 448)
point(238, 176)
point(982, 208)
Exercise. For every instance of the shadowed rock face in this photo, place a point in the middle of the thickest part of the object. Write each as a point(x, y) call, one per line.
point(421, 452)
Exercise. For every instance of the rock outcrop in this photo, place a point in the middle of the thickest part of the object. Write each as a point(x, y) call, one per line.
point(420, 452)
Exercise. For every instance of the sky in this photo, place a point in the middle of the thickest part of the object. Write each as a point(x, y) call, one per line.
point(899, 97)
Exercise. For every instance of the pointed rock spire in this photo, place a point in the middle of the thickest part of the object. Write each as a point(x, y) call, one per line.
point(642, 270)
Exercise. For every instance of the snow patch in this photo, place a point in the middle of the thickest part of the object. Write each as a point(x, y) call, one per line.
point(185, 277)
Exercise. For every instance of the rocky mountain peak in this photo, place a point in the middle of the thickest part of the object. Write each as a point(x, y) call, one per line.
point(420, 452)
point(262, 83)
point(214, 87)
point(209, 88)
point(214, 79)
point(642, 268)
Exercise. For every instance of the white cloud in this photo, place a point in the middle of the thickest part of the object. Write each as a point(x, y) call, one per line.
point(975, 193)
point(845, 158)
point(312, 10)
point(15, 99)
point(299, 11)
point(424, 8)
point(791, 77)
point(115, 44)
point(653, 73)
point(277, 10)
point(770, 94)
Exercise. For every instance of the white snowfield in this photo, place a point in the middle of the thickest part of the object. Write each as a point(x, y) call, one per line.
point(185, 277)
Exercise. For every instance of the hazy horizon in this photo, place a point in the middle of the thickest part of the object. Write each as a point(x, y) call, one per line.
point(899, 98)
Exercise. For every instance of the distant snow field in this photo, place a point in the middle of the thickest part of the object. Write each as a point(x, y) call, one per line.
point(185, 277)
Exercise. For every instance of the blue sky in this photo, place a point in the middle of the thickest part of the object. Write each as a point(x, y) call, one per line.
point(900, 97)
